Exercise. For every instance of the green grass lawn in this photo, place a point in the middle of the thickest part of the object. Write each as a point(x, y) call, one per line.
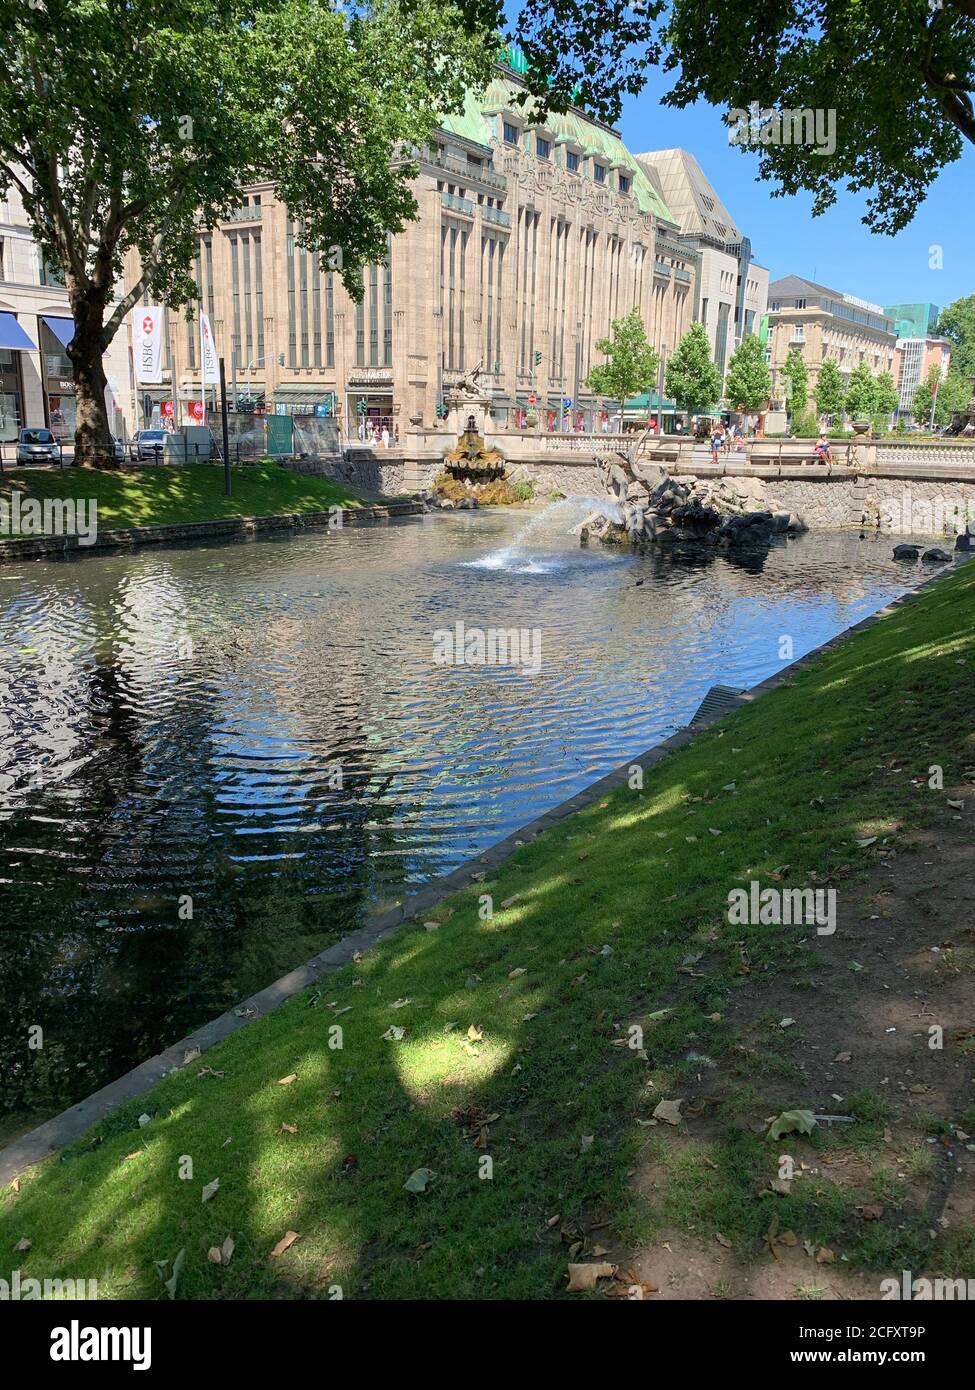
point(515, 1028)
point(166, 495)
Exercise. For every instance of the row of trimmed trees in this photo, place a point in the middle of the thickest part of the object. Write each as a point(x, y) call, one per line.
point(693, 381)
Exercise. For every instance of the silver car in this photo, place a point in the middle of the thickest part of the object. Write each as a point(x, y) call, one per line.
point(37, 446)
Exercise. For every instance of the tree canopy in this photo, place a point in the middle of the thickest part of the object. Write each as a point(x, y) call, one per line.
point(693, 381)
point(632, 364)
point(829, 393)
point(957, 323)
point(796, 374)
point(893, 82)
point(749, 382)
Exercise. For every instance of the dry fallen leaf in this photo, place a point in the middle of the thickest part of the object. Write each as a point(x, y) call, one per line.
point(23, 1245)
point(211, 1189)
point(285, 1243)
point(584, 1277)
point(287, 1080)
point(289, 1129)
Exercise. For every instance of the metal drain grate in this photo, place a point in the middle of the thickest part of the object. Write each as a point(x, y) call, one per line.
point(720, 700)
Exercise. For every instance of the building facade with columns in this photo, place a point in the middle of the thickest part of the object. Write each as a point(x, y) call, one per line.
point(529, 240)
point(732, 288)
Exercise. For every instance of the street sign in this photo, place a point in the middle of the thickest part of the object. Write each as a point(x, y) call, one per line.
point(567, 403)
point(531, 399)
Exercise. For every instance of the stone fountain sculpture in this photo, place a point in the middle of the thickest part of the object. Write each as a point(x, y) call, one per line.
point(471, 457)
point(648, 506)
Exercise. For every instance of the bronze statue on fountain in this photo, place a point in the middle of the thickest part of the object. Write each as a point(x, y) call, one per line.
point(471, 457)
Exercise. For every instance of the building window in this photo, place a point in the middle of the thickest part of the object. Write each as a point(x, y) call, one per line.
point(800, 304)
point(774, 307)
point(50, 275)
point(624, 183)
point(572, 161)
point(599, 173)
point(510, 133)
point(543, 148)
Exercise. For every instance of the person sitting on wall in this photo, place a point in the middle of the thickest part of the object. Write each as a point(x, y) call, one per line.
point(822, 449)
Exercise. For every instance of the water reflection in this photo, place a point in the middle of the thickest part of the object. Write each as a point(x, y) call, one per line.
point(211, 760)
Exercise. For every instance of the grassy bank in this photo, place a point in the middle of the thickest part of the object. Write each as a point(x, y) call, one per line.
point(515, 1030)
point(164, 496)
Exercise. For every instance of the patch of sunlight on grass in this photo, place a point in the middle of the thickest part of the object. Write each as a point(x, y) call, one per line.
point(442, 1059)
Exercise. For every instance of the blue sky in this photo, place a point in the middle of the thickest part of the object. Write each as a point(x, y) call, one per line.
point(835, 249)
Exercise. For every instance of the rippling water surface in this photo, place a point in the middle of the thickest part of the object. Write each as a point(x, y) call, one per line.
point(258, 734)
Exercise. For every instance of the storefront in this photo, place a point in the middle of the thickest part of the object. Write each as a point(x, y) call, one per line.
point(369, 413)
point(59, 392)
point(13, 341)
point(309, 399)
point(645, 410)
point(369, 404)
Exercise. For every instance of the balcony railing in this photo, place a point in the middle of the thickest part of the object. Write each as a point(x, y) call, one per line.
point(477, 173)
point(457, 204)
point(251, 212)
point(683, 275)
point(496, 215)
point(661, 268)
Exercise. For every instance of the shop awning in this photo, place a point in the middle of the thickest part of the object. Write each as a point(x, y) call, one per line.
point(63, 329)
point(12, 336)
point(649, 400)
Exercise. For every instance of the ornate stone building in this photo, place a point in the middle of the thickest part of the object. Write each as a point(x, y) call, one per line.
point(529, 241)
point(821, 323)
point(732, 288)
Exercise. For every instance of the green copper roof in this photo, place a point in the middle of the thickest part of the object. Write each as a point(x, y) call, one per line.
point(477, 123)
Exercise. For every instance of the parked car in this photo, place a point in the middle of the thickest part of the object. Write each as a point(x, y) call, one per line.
point(119, 448)
point(37, 446)
point(147, 444)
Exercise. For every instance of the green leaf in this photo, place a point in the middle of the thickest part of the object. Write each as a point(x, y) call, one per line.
point(792, 1122)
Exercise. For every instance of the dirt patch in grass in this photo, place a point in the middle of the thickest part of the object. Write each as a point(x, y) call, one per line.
point(882, 1030)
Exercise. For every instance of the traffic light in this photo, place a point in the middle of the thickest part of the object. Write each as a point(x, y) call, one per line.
point(441, 410)
point(538, 359)
point(280, 359)
point(360, 407)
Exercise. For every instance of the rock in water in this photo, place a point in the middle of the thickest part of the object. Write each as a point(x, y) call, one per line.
point(906, 552)
point(936, 555)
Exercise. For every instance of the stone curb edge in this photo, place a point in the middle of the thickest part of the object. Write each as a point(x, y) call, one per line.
point(71, 1124)
point(28, 547)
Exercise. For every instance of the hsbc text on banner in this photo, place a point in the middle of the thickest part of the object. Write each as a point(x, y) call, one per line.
point(147, 336)
point(211, 367)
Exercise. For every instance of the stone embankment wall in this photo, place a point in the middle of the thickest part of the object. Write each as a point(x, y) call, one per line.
point(893, 486)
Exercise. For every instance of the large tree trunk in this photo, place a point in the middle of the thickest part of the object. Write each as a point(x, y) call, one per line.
point(93, 446)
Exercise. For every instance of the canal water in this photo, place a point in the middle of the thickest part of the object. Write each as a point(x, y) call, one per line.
point(258, 734)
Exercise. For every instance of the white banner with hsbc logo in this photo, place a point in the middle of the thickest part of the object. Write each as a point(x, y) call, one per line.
point(147, 338)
